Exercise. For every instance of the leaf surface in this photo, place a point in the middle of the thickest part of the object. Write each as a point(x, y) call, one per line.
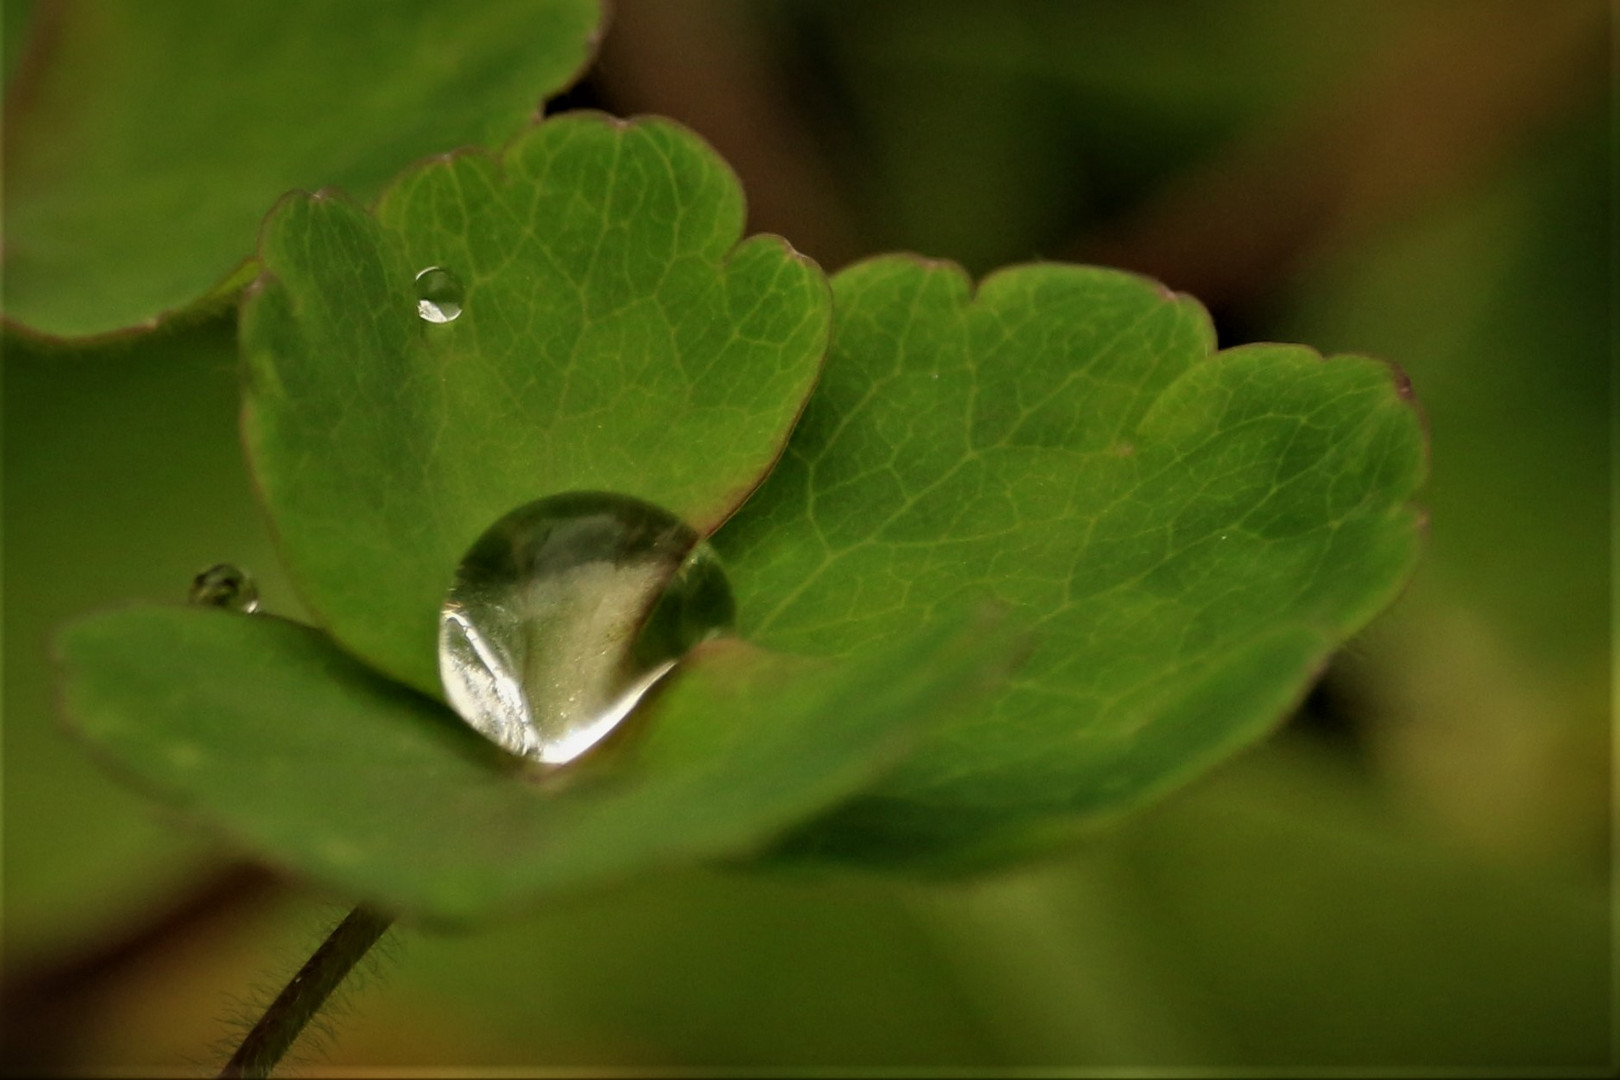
point(1187, 533)
point(614, 335)
point(144, 142)
point(263, 728)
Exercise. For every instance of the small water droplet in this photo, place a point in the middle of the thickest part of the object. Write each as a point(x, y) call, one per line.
point(438, 295)
point(566, 611)
point(224, 585)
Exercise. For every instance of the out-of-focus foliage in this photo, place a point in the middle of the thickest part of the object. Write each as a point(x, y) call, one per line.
point(123, 478)
point(143, 142)
point(996, 133)
point(1277, 914)
point(14, 20)
point(1492, 677)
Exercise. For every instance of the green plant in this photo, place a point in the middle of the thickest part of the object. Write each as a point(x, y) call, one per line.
point(1174, 538)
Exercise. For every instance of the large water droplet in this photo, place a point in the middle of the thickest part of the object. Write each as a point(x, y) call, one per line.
point(224, 585)
point(438, 295)
point(566, 611)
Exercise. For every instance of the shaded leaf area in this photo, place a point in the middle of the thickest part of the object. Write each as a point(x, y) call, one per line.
point(614, 335)
point(266, 730)
point(1187, 534)
point(144, 143)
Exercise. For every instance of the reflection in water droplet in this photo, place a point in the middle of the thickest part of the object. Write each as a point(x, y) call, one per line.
point(566, 611)
point(226, 586)
point(438, 295)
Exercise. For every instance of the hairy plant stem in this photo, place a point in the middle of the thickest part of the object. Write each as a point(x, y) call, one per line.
point(303, 997)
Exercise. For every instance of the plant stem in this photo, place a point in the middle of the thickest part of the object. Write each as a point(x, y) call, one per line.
point(303, 997)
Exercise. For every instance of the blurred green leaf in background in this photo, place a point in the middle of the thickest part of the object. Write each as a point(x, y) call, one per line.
point(1492, 682)
point(86, 523)
point(145, 141)
point(1414, 874)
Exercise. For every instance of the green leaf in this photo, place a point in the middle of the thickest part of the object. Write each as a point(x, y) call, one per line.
point(264, 728)
point(145, 142)
point(1188, 534)
point(614, 335)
